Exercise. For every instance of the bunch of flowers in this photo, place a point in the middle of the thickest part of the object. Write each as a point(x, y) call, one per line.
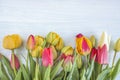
point(48, 58)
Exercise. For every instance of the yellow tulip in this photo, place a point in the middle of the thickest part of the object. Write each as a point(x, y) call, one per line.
point(12, 41)
point(40, 41)
point(92, 39)
point(83, 45)
point(52, 38)
point(54, 52)
point(117, 45)
point(60, 44)
point(67, 50)
point(37, 51)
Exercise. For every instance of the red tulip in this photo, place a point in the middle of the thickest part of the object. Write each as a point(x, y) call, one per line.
point(101, 54)
point(47, 57)
point(94, 52)
point(15, 64)
point(31, 42)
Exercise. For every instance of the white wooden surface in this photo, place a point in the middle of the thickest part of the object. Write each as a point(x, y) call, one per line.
point(66, 17)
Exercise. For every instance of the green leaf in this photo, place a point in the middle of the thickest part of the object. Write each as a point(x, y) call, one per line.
point(82, 74)
point(47, 73)
point(9, 68)
point(76, 75)
point(56, 69)
point(103, 74)
point(116, 70)
point(90, 69)
point(97, 69)
point(60, 75)
point(3, 74)
point(37, 73)
point(19, 75)
point(25, 73)
point(32, 67)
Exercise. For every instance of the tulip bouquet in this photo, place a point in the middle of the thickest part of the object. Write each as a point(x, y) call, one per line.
point(49, 59)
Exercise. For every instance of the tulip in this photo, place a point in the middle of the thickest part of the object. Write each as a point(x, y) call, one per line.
point(40, 41)
point(54, 52)
point(92, 39)
point(104, 39)
point(37, 52)
point(117, 45)
point(60, 44)
point(12, 41)
point(83, 45)
point(67, 50)
point(47, 57)
point(68, 62)
point(15, 64)
point(31, 42)
point(52, 38)
point(101, 54)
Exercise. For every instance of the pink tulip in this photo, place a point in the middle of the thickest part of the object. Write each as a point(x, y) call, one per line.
point(47, 57)
point(31, 42)
point(68, 62)
point(15, 64)
point(101, 54)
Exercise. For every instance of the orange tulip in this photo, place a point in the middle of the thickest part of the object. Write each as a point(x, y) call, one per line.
point(83, 45)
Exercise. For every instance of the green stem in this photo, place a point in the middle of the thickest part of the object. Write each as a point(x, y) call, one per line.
point(114, 58)
point(86, 65)
point(65, 75)
point(27, 60)
point(14, 62)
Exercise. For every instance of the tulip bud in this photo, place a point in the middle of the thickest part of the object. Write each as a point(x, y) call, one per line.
point(117, 45)
point(31, 42)
point(68, 50)
point(83, 45)
point(47, 57)
point(54, 52)
point(52, 38)
point(15, 64)
point(40, 41)
point(79, 61)
point(37, 51)
point(92, 39)
point(60, 44)
point(12, 41)
point(68, 63)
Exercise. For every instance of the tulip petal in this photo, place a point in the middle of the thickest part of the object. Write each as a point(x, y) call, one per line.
point(85, 46)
